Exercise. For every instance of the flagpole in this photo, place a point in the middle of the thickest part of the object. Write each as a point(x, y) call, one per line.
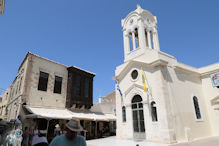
point(149, 88)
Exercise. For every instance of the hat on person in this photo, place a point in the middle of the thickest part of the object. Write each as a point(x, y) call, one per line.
point(57, 126)
point(74, 125)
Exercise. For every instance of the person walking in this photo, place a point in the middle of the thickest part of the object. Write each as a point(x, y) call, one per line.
point(26, 135)
point(71, 137)
point(40, 135)
point(57, 130)
point(35, 136)
point(40, 139)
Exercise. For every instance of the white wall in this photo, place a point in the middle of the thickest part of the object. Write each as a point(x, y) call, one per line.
point(173, 91)
point(183, 87)
point(211, 93)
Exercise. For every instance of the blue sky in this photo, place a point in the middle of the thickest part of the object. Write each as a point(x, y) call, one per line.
point(88, 34)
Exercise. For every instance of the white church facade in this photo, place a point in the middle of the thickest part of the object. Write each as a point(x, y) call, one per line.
point(179, 103)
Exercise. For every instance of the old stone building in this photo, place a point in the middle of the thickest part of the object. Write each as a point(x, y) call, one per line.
point(2, 6)
point(50, 93)
point(161, 99)
point(106, 105)
point(43, 83)
point(4, 104)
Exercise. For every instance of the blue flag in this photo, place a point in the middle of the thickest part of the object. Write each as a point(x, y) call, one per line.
point(117, 87)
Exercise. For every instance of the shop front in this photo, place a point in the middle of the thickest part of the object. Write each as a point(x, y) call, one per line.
point(95, 125)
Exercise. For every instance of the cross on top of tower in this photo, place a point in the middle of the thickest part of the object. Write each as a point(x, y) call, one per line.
point(138, 6)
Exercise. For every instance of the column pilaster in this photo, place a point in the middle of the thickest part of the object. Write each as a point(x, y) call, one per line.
point(133, 40)
point(149, 39)
point(167, 126)
point(126, 43)
point(141, 35)
point(156, 41)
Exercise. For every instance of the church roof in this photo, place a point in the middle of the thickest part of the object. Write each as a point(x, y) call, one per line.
point(29, 53)
point(140, 12)
point(127, 66)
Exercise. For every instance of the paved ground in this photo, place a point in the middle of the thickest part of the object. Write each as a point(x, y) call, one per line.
point(113, 141)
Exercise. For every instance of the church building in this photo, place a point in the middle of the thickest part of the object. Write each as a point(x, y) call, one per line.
point(159, 99)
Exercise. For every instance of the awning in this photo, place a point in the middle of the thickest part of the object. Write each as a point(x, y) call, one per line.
point(55, 113)
point(48, 113)
point(93, 116)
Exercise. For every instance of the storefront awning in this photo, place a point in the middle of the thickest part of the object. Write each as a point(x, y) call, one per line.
point(48, 113)
point(54, 113)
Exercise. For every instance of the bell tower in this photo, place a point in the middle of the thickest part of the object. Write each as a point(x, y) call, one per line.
point(139, 33)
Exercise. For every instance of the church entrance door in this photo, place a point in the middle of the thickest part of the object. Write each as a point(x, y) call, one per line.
point(138, 118)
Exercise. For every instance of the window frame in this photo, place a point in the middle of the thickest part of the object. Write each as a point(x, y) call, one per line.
point(75, 83)
point(194, 110)
point(137, 117)
point(20, 84)
point(134, 80)
point(55, 85)
point(124, 114)
point(39, 81)
point(153, 104)
point(89, 86)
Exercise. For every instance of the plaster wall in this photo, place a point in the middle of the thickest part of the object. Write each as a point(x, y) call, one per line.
point(172, 85)
point(148, 56)
point(4, 102)
point(130, 88)
point(211, 93)
point(16, 92)
point(178, 117)
point(46, 98)
point(183, 87)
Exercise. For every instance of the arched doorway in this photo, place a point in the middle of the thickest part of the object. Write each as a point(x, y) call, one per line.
point(138, 118)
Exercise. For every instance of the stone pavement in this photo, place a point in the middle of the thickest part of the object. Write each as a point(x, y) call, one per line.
point(113, 141)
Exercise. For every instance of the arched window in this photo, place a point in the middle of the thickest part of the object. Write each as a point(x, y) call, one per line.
point(138, 114)
point(149, 38)
point(123, 114)
point(152, 42)
point(146, 38)
point(136, 38)
point(197, 109)
point(130, 41)
point(133, 39)
point(153, 111)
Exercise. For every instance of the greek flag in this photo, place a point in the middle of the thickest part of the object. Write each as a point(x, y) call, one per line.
point(117, 87)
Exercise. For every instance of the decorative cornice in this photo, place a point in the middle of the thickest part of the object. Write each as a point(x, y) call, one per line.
point(153, 64)
point(165, 54)
point(159, 62)
point(208, 70)
point(185, 70)
point(209, 73)
point(133, 86)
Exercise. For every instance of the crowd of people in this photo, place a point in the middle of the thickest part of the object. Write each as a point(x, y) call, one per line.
point(38, 136)
point(32, 137)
